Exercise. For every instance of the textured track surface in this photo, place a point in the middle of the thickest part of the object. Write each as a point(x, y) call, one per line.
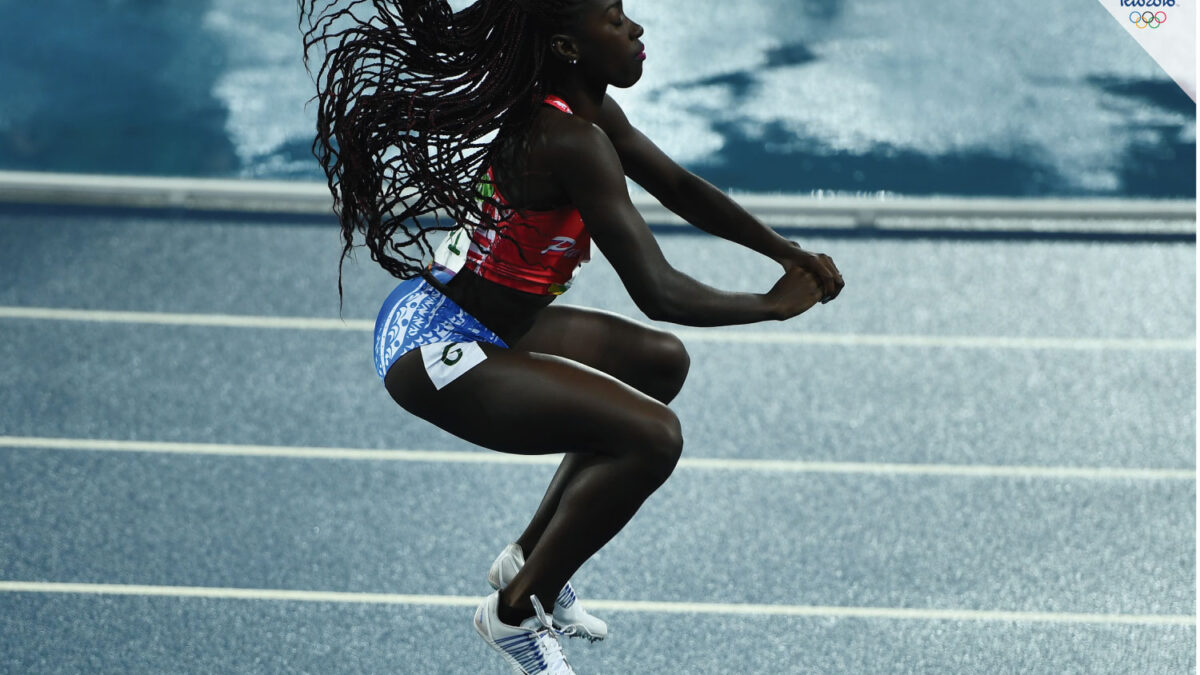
point(1108, 561)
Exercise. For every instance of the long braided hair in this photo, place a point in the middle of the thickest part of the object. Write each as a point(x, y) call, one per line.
point(415, 101)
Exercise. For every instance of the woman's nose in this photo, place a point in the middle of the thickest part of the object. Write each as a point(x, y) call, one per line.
point(638, 31)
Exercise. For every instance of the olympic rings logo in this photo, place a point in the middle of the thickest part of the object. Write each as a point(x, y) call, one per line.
point(1148, 19)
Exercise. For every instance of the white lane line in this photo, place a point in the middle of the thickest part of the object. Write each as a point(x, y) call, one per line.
point(609, 605)
point(713, 464)
point(951, 341)
point(276, 451)
point(169, 319)
point(962, 470)
point(708, 335)
point(313, 197)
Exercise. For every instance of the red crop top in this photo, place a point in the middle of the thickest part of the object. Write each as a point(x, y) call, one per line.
point(531, 251)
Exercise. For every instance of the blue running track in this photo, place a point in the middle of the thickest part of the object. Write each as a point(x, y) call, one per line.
point(980, 459)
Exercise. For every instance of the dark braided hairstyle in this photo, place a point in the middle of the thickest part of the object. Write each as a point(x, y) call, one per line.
point(415, 102)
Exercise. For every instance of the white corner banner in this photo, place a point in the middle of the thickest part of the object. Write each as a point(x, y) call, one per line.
point(1166, 29)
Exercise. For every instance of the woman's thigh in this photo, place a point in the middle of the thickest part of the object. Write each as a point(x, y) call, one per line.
point(649, 359)
point(529, 403)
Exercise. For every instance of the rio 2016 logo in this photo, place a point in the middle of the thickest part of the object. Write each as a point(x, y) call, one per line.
point(1148, 19)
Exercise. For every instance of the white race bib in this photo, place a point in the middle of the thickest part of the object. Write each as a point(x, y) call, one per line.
point(451, 254)
point(447, 361)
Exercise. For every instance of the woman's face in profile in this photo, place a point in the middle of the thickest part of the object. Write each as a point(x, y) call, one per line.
point(609, 44)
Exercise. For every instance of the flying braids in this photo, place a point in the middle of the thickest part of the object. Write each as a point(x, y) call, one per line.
point(414, 102)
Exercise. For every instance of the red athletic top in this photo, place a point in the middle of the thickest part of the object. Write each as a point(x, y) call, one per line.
point(531, 251)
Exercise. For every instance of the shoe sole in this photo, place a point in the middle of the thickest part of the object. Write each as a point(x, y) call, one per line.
point(580, 632)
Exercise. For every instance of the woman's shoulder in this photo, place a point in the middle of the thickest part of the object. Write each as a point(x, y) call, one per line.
point(581, 139)
point(563, 151)
point(570, 141)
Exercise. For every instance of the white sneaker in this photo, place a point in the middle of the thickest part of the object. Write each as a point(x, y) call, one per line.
point(569, 615)
point(531, 648)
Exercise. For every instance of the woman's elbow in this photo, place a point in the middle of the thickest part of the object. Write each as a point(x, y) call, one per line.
point(660, 307)
point(654, 308)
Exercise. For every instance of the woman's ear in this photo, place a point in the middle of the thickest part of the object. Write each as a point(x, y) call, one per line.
point(564, 47)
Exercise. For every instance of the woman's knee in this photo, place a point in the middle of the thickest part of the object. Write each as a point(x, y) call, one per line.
point(667, 360)
point(660, 446)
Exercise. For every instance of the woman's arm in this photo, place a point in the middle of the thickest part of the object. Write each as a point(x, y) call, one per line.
point(589, 169)
point(700, 203)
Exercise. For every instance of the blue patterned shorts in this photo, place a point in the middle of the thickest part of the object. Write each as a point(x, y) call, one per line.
point(417, 315)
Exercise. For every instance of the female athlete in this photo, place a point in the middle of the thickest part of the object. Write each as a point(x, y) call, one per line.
point(497, 117)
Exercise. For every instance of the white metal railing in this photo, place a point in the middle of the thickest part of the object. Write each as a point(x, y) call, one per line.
point(313, 198)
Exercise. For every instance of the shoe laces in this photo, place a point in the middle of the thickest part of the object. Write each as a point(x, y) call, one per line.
point(547, 639)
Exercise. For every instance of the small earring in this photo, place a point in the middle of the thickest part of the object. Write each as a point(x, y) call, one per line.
point(574, 61)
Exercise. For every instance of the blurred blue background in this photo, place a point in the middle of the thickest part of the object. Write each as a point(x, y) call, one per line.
point(1019, 98)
